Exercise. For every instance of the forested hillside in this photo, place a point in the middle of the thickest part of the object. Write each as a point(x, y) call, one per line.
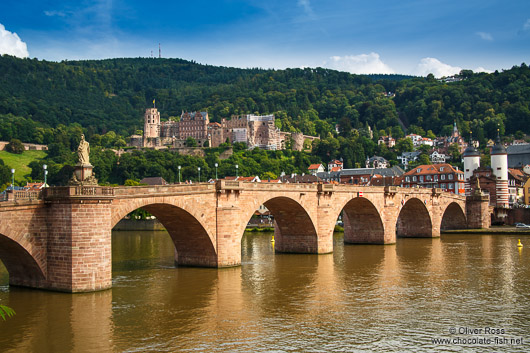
point(112, 94)
point(54, 103)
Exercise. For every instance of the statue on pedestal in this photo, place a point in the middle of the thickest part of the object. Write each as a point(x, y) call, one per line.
point(83, 168)
point(83, 151)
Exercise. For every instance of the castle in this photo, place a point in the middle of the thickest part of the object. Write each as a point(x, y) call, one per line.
point(173, 133)
point(254, 130)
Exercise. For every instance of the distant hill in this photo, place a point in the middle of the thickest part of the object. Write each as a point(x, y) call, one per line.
point(103, 95)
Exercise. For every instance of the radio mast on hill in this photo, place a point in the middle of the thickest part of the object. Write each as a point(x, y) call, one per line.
point(159, 51)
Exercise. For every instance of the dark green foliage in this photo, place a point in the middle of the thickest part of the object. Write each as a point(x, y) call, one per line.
point(5, 174)
point(6, 312)
point(112, 94)
point(53, 103)
point(15, 146)
point(191, 142)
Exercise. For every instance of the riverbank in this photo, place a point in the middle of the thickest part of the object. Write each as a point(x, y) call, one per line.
point(139, 224)
point(493, 230)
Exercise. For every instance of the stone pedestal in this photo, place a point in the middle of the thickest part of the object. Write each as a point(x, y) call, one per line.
point(83, 175)
point(478, 211)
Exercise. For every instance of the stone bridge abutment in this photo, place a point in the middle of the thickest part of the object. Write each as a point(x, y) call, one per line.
point(63, 241)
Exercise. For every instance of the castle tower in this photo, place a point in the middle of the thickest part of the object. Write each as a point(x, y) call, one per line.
point(499, 166)
point(471, 163)
point(151, 125)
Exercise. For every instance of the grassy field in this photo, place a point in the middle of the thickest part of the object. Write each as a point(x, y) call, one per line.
point(20, 161)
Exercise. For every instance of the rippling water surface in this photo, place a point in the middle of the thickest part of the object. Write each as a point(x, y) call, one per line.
point(369, 298)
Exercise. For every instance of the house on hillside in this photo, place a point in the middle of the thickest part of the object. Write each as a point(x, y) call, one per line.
point(437, 157)
point(335, 166)
point(407, 157)
point(376, 162)
point(315, 168)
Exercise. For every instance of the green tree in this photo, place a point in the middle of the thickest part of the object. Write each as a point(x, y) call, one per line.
point(15, 146)
point(191, 142)
point(5, 174)
point(454, 152)
point(404, 145)
point(424, 159)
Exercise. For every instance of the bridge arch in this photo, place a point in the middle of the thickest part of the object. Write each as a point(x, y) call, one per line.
point(193, 244)
point(23, 267)
point(362, 222)
point(295, 230)
point(414, 220)
point(453, 217)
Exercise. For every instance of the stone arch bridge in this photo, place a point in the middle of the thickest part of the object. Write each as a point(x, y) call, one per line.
point(61, 240)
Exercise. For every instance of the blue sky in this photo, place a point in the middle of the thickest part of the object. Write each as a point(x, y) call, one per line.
point(368, 36)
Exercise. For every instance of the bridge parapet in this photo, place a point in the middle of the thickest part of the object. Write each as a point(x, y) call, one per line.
point(22, 195)
point(172, 189)
point(78, 191)
point(232, 185)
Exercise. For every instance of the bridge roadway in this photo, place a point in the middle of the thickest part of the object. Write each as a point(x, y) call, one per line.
point(62, 240)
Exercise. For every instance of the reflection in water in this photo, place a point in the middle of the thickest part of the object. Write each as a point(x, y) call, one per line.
point(361, 297)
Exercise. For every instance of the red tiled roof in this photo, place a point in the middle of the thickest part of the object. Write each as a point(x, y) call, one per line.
point(433, 169)
point(314, 166)
point(336, 169)
point(250, 178)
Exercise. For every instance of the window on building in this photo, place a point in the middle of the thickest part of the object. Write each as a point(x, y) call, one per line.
point(442, 177)
point(441, 169)
point(429, 178)
point(418, 170)
point(407, 178)
point(421, 179)
point(450, 176)
point(414, 178)
point(436, 178)
point(450, 186)
point(442, 185)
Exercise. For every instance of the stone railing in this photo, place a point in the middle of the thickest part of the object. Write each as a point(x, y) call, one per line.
point(79, 191)
point(131, 191)
point(21, 195)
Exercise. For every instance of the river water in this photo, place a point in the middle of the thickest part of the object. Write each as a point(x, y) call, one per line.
point(390, 298)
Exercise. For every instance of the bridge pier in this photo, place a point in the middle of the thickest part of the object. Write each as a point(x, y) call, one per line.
point(228, 237)
point(79, 257)
point(478, 211)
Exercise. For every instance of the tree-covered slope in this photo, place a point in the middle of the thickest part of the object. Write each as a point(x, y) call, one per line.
point(103, 95)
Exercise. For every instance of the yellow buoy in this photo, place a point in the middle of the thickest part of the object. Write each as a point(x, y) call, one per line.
point(519, 245)
point(272, 240)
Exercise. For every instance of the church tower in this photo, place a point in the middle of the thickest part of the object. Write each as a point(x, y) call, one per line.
point(471, 163)
point(455, 134)
point(499, 166)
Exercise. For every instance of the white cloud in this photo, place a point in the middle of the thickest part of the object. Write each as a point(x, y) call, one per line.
point(526, 25)
point(435, 67)
point(10, 43)
point(308, 10)
point(481, 69)
point(485, 36)
point(55, 13)
point(359, 64)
